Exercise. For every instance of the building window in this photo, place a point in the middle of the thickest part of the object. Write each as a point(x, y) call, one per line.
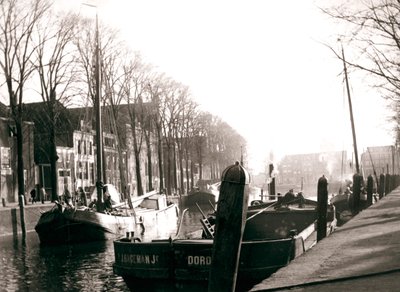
point(5, 157)
point(87, 170)
point(91, 169)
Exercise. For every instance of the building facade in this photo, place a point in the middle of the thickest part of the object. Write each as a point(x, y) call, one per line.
point(380, 160)
point(302, 171)
point(8, 160)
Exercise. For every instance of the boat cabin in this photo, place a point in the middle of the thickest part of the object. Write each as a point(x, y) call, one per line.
point(157, 202)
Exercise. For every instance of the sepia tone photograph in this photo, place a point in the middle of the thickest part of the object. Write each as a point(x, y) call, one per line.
point(175, 145)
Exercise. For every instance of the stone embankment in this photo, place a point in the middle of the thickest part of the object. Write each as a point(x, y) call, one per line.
point(10, 220)
point(361, 255)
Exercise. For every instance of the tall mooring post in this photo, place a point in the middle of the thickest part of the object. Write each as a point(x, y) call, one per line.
point(22, 215)
point(229, 227)
point(387, 184)
point(381, 190)
point(357, 184)
point(322, 207)
point(370, 190)
point(272, 183)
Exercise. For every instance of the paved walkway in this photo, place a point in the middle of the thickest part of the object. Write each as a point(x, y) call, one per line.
point(361, 255)
point(27, 205)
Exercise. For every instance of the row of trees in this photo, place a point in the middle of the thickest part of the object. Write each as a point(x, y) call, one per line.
point(55, 55)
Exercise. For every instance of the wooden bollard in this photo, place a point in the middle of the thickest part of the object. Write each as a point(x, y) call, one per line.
point(357, 183)
point(370, 189)
point(381, 185)
point(387, 184)
point(22, 214)
point(229, 227)
point(272, 183)
point(322, 207)
point(14, 223)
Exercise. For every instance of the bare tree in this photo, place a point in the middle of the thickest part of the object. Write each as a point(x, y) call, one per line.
point(190, 121)
point(135, 84)
point(374, 37)
point(169, 113)
point(55, 65)
point(181, 133)
point(17, 24)
point(156, 88)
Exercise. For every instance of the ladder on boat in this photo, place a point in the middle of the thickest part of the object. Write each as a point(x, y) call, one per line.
point(207, 227)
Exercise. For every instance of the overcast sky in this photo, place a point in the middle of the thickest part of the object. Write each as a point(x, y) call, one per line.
point(259, 65)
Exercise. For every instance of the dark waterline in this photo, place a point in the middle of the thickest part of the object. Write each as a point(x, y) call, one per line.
point(28, 266)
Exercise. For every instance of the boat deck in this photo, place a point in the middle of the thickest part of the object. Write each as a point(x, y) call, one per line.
point(361, 255)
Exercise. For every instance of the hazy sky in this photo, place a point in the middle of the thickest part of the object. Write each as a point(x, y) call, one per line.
point(260, 66)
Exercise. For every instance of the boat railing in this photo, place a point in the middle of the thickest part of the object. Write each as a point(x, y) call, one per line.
point(180, 222)
point(262, 210)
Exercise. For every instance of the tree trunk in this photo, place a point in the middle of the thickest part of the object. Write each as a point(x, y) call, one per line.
point(191, 175)
point(182, 183)
point(169, 175)
point(139, 185)
point(160, 159)
point(20, 157)
point(53, 164)
point(175, 170)
point(149, 160)
point(136, 151)
point(187, 171)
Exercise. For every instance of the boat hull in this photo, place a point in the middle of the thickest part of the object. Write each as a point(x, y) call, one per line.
point(69, 225)
point(272, 221)
point(190, 260)
point(198, 197)
point(272, 238)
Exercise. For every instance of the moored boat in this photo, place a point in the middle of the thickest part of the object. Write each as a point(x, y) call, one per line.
point(198, 197)
point(65, 224)
point(269, 243)
point(204, 195)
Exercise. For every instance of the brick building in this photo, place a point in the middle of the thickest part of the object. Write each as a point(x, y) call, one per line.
point(381, 159)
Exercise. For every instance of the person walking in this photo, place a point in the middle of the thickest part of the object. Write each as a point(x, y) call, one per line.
point(33, 195)
point(42, 194)
point(67, 197)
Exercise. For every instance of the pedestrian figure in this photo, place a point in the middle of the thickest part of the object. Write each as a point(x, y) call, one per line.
point(107, 202)
point(82, 196)
point(43, 195)
point(107, 199)
point(33, 195)
point(288, 198)
point(301, 200)
point(67, 197)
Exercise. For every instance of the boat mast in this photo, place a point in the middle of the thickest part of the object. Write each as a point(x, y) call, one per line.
point(351, 113)
point(99, 131)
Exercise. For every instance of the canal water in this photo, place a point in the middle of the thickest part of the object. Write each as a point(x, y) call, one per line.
point(28, 266)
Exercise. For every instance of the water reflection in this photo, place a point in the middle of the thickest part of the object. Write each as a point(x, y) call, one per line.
point(84, 267)
point(28, 266)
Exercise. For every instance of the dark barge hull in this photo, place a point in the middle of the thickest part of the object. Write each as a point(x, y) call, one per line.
point(190, 260)
point(269, 243)
point(198, 197)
